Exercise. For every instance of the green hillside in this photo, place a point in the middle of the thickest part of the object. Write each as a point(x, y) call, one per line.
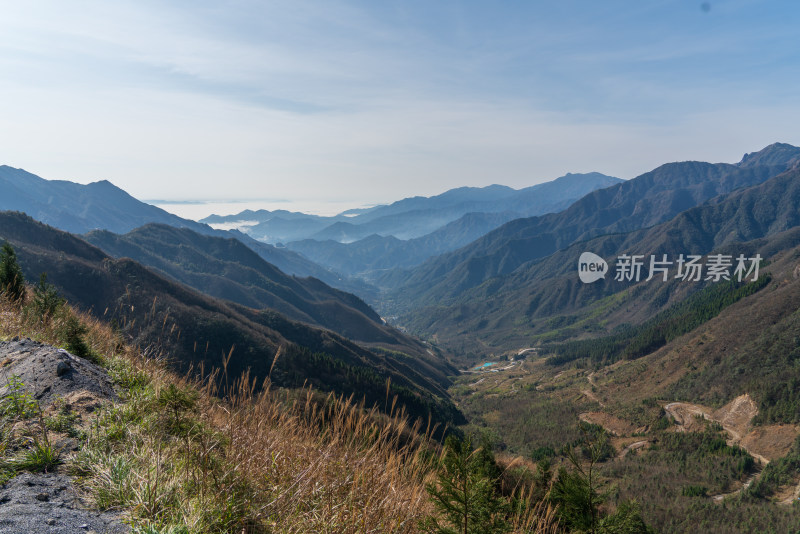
point(544, 301)
point(650, 199)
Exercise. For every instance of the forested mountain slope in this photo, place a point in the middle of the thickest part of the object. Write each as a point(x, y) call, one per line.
point(193, 330)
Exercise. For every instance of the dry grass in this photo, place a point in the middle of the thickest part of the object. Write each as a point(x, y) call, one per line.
point(330, 467)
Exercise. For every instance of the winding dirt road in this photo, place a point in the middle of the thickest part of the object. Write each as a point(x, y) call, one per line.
point(734, 418)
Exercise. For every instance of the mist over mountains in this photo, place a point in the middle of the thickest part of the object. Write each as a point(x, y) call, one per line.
point(364, 242)
point(415, 216)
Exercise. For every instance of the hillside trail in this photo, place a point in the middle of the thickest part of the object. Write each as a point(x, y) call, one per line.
point(589, 393)
point(793, 497)
point(752, 478)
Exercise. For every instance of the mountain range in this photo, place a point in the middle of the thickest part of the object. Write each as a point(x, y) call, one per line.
point(692, 384)
point(544, 300)
point(415, 216)
point(367, 257)
point(79, 209)
point(644, 201)
point(362, 243)
point(193, 330)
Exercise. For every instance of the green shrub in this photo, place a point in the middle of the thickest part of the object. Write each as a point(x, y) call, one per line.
point(176, 401)
point(17, 402)
point(73, 332)
point(41, 457)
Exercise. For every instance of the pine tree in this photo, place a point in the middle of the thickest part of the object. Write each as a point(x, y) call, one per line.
point(45, 298)
point(627, 520)
point(12, 282)
point(465, 494)
point(73, 332)
point(576, 491)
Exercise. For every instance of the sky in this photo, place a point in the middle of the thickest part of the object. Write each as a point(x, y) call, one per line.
point(362, 102)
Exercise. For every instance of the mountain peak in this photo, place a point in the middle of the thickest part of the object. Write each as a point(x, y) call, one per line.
point(80, 208)
point(584, 176)
point(774, 154)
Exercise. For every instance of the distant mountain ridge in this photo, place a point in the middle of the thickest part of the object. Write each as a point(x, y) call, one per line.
point(375, 253)
point(78, 209)
point(775, 154)
point(644, 201)
point(409, 231)
point(417, 216)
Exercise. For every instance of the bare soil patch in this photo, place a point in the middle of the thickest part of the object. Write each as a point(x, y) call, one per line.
point(614, 425)
point(771, 441)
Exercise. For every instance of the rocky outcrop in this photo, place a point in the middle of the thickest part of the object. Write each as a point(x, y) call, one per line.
point(49, 373)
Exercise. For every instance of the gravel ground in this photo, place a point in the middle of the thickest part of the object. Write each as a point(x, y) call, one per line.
point(33, 504)
point(47, 503)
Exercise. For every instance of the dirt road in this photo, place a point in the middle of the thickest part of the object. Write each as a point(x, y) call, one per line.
point(735, 419)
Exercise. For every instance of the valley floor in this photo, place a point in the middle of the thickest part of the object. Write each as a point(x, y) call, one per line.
point(678, 459)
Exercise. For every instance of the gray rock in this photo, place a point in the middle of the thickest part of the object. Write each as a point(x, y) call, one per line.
point(63, 368)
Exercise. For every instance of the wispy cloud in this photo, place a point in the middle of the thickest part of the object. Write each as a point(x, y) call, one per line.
point(385, 99)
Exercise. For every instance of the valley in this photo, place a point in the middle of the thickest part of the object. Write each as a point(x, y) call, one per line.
point(675, 391)
point(711, 381)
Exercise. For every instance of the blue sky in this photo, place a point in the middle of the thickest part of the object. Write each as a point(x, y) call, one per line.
point(376, 100)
